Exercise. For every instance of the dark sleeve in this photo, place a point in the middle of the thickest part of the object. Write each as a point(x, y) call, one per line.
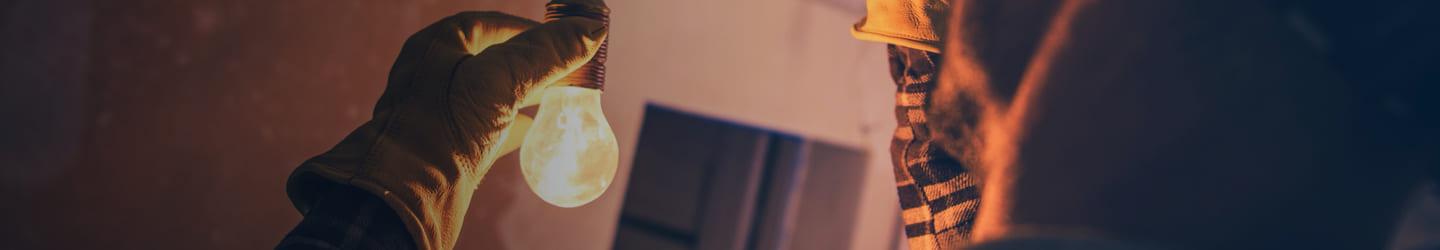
point(1386, 50)
point(348, 218)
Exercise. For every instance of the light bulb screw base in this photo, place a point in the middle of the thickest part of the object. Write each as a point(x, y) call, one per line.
point(592, 74)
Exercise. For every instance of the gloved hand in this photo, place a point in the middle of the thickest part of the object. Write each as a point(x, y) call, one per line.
point(450, 97)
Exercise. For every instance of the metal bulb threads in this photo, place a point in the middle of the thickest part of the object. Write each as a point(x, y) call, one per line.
point(592, 75)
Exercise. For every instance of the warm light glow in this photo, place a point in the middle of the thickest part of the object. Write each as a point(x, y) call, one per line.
point(570, 155)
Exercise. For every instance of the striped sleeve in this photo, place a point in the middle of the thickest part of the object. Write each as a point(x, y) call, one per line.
point(938, 196)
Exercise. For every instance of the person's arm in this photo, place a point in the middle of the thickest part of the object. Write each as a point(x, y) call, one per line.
point(1206, 124)
point(453, 92)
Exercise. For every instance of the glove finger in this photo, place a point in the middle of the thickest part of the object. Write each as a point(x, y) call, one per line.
point(436, 49)
point(487, 28)
point(537, 57)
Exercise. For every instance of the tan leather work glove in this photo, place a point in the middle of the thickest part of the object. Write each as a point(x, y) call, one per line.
point(916, 24)
point(451, 95)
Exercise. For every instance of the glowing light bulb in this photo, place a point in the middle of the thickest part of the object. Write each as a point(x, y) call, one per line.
point(570, 155)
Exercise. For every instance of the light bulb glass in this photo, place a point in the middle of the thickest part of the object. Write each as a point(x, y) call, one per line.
point(570, 155)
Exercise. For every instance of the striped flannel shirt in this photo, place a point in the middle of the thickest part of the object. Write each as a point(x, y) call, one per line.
point(938, 196)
